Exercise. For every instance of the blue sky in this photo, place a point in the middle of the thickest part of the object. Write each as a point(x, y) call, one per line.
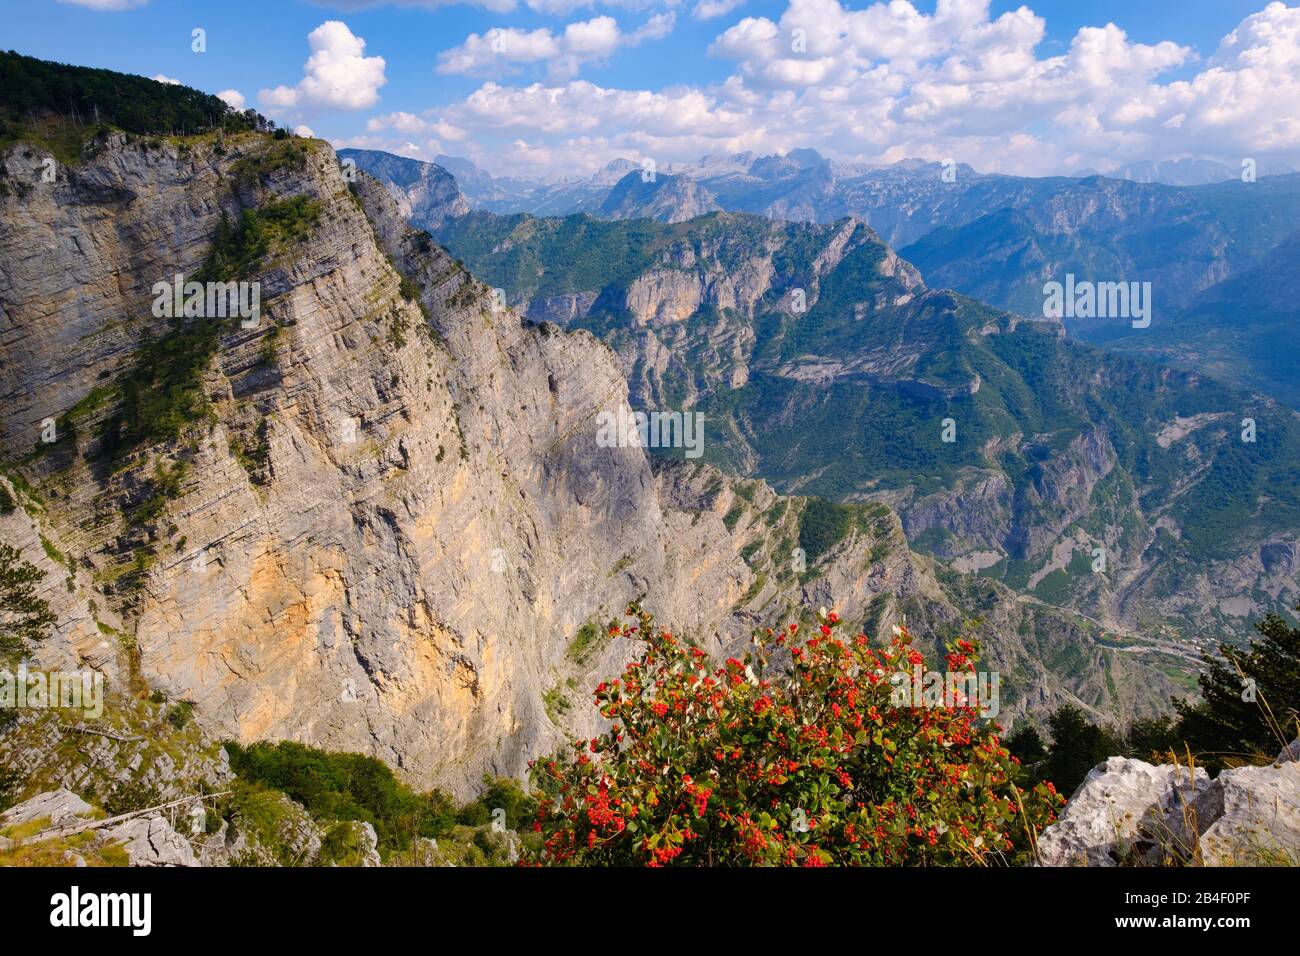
point(993, 82)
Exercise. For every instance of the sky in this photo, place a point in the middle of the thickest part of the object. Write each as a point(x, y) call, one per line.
point(553, 89)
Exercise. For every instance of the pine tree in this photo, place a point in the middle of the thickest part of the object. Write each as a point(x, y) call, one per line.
point(23, 616)
point(1027, 746)
point(1250, 705)
point(1078, 745)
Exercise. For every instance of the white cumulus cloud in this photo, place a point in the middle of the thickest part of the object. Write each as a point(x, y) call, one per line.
point(503, 51)
point(712, 9)
point(338, 75)
point(880, 83)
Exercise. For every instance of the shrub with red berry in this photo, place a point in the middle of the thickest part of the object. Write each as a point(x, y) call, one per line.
point(806, 764)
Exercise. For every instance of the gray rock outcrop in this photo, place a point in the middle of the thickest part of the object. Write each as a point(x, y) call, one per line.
point(1131, 812)
point(152, 841)
point(60, 807)
point(1256, 814)
point(426, 194)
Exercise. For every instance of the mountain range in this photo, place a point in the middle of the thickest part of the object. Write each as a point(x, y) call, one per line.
point(1002, 238)
point(1244, 329)
point(380, 516)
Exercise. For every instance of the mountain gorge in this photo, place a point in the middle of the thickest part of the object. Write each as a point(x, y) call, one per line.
point(830, 368)
point(377, 517)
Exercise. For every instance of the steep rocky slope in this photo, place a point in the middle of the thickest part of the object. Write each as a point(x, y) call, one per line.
point(378, 519)
point(376, 531)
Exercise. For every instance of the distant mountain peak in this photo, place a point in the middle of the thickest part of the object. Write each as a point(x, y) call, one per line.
point(666, 198)
point(614, 170)
point(426, 193)
point(805, 157)
point(1190, 171)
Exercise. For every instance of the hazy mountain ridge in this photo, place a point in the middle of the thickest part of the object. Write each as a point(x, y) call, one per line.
point(1190, 171)
point(1245, 329)
point(902, 201)
point(1182, 241)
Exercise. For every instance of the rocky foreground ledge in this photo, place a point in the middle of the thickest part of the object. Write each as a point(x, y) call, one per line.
point(1125, 813)
point(1129, 812)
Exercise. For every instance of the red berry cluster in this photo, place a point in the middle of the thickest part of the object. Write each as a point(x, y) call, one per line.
point(806, 763)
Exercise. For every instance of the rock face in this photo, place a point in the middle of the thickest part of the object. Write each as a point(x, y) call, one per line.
point(559, 309)
point(1128, 811)
point(433, 519)
point(142, 841)
point(390, 517)
point(1256, 814)
point(60, 807)
point(1122, 806)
